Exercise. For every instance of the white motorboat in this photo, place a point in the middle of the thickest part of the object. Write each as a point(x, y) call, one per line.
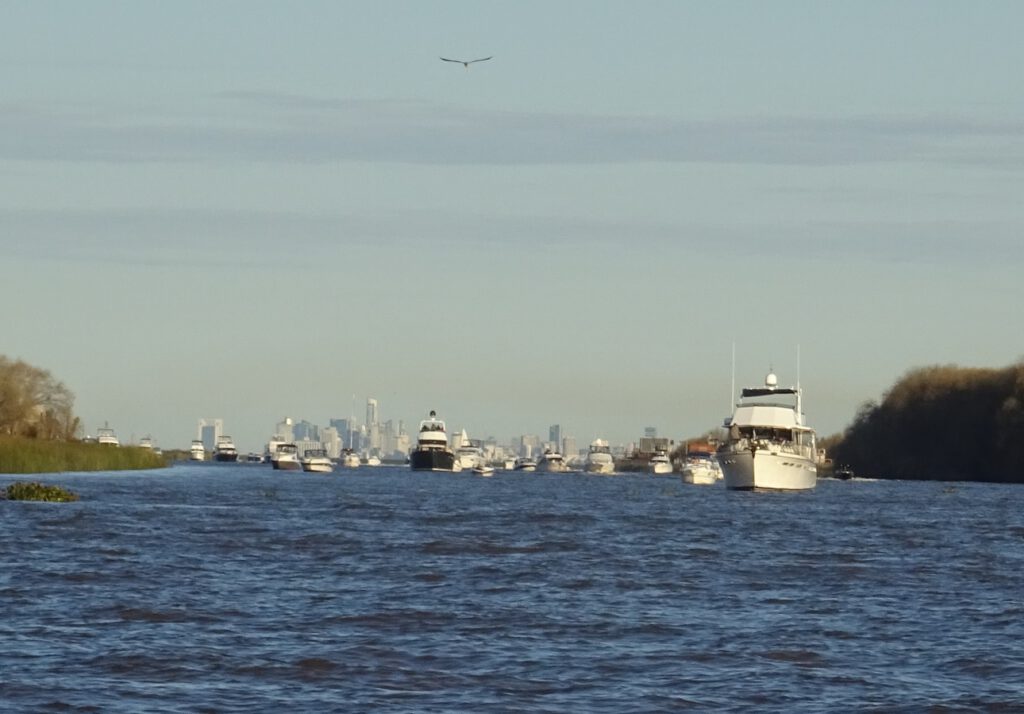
point(146, 442)
point(660, 463)
point(225, 449)
point(350, 459)
point(525, 463)
point(483, 470)
point(286, 458)
point(701, 468)
point(552, 462)
point(431, 452)
point(106, 437)
point(599, 458)
point(768, 445)
point(316, 461)
point(469, 452)
point(197, 452)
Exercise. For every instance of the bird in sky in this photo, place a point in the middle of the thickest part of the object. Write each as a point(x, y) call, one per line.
point(465, 63)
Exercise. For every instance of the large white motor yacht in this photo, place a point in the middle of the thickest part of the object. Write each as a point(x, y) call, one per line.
point(599, 458)
point(768, 445)
point(197, 452)
point(350, 459)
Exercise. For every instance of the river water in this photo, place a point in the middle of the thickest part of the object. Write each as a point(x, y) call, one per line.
point(233, 588)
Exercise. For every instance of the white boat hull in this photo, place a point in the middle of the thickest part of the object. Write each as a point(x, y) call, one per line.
point(763, 469)
point(319, 467)
point(699, 475)
point(600, 467)
point(661, 467)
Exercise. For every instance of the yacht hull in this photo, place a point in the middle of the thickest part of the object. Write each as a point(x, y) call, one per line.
point(225, 457)
point(660, 468)
point(749, 470)
point(432, 460)
point(286, 465)
point(318, 467)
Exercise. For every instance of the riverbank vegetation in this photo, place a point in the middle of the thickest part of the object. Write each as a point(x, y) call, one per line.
point(38, 428)
point(941, 423)
point(19, 455)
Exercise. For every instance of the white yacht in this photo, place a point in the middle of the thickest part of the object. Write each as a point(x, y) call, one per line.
point(372, 460)
point(107, 437)
point(286, 458)
point(431, 452)
point(146, 442)
point(469, 452)
point(317, 461)
point(768, 445)
point(660, 463)
point(599, 458)
point(525, 463)
point(552, 462)
point(225, 449)
point(350, 459)
point(700, 467)
point(197, 452)
point(483, 470)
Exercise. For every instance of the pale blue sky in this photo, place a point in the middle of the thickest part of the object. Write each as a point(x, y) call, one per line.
point(249, 210)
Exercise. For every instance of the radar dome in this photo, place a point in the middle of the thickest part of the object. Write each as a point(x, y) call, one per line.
point(771, 381)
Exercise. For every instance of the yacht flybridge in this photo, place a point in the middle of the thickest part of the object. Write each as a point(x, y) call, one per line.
point(768, 445)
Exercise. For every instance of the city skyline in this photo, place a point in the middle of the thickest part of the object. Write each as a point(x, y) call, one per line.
point(250, 210)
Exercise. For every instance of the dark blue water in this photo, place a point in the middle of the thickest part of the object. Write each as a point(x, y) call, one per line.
point(220, 588)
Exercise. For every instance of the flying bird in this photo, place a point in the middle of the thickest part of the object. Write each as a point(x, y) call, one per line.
point(465, 63)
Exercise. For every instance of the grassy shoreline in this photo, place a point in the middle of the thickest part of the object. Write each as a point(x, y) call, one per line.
point(34, 456)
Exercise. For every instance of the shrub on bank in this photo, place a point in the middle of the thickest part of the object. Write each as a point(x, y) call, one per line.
point(32, 456)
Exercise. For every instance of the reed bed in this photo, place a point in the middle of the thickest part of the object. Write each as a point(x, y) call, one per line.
point(34, 456)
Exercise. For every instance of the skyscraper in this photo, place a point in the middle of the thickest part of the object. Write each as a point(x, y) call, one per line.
point(372, 417)
point(209, 430)
point(555, 435)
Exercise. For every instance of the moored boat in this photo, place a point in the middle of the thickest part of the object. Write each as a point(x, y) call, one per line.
point(225, 449)
point(525, 463)
point(660, 463)
point(768, 445)
point(350, 459)
point(197, 452)
point(700, 467)
point(106, 437)
point(431, 452)
point(286, 458)
point(316, 461)
point(599, 458)
point(552, 462)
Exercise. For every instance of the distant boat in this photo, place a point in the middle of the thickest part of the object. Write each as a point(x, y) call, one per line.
point(197, 452)
point(146, 442)
point(469, 452)
point(350, 459)
point(225, 449)
point(372, 460)
point(700, 467)
point(843, 473)
point(317, 461)
point(599, 458)
point(525, 463)
point(483, 470)
point(431, 452)
point(660, 463)
point(769, 446)
point(286, 458)
point(106, 437)
point(552, 462)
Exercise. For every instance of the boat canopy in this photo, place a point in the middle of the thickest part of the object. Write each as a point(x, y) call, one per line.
point(779, 417)
point(765, 391)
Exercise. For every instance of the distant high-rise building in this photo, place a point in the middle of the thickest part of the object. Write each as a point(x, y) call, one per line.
point(555, 434)
point(651, 432)
point(331, 440)
point(569, 446)
point(209, 431)
point(345, 428)
point(306, 431)
point(286, 429)
point(372, 417)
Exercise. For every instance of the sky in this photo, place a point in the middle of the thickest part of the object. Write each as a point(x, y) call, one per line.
point(249, 210)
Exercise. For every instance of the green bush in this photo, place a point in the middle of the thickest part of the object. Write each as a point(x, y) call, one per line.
point(33, 456)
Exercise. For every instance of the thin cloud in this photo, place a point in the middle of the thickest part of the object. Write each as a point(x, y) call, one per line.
point(267, 127)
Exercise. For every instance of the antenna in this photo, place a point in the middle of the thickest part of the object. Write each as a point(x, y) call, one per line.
point(732, 387)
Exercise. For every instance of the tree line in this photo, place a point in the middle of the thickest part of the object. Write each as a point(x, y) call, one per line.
point(941, 423)
point(34, 404)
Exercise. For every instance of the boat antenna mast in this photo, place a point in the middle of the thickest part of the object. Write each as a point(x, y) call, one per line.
point(732, 386)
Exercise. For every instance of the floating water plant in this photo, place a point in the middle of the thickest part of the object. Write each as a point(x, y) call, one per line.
point(25, 491)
